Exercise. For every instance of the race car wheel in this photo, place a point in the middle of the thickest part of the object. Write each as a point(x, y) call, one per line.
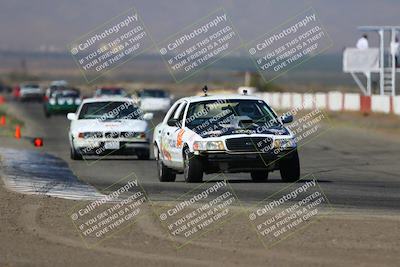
point(143, 154)
point(47, 114)
point(259, 176)
point(193, 168)
point(165, 174)
point(290, 167)
point(75, 155)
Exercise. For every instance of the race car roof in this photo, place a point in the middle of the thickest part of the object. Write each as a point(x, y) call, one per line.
point(107, 99)
point(105, 88)
point(193, 99)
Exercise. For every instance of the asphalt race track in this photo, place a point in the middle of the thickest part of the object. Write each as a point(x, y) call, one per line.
point(355, 168)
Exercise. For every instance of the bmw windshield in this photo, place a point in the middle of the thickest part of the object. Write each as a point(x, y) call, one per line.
point(109, 111)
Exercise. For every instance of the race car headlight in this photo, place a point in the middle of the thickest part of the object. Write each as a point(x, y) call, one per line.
point(141, 135)
point(208, 145)
point(52, 101)
point(78, 101)
point(284, 143)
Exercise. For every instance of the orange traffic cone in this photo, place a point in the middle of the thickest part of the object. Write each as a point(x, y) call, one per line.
point(18, 132)
point(3, 120)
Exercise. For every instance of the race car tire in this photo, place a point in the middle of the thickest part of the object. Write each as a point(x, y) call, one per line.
point(75, 155)
point(289, 167)
point(165, 174)
point(144, 154)
point(259, 176)
point(193, 168)
point(47, 114)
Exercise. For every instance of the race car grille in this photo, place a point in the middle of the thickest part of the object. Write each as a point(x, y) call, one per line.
point(111, 135)
point(249, 144)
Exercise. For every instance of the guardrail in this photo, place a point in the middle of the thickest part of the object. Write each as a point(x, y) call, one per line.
point(334, 101)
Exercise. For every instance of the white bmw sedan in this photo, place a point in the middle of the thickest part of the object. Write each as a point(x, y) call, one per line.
point(103, 126)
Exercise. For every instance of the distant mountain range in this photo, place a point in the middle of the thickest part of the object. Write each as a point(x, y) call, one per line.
point(321, 69)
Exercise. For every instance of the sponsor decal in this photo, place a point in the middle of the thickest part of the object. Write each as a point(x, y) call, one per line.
point(180, 138)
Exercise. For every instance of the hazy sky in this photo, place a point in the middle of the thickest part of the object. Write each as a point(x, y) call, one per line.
point(30, 24)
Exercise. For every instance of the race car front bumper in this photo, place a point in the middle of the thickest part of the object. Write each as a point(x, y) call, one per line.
point(241, 162)
point(31, 96)
point(125, 148)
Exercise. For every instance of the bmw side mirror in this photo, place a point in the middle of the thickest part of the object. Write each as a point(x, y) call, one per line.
point(71, 116)
point(287, 119)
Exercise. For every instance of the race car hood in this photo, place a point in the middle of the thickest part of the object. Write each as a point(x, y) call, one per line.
point(155, 103)
point(243, 126)
point(30, 90)
point(109, 125)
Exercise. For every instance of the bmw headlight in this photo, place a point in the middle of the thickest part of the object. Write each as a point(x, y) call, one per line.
point(130, 135)
point(52, 101)
point(208, 146)
point(91, 135)
point(78, 101)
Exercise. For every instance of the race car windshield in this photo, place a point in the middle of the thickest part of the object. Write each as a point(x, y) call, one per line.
point(109, 111)
point(116, 91)
point(31, 86)
point(153, 93)
point(219, 112)
point(66, 94)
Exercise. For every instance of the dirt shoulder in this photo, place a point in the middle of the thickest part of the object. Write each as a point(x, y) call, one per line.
point(37, 231)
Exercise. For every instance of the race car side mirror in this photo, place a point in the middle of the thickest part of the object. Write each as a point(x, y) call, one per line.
point(173, 123)
point(71, 116)
point(148, 116)
point(287, 118)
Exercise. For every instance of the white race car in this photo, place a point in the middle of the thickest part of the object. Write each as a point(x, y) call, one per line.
point(224, 133)
point(154, 100)
point(102, 126)
point(30, 92)
point(110, 92)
